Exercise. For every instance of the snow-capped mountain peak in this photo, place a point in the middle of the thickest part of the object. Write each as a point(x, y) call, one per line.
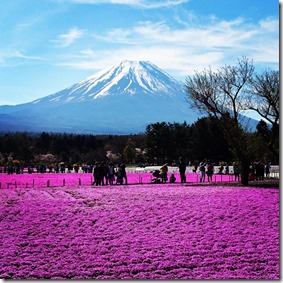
point(127, 78)
point(122, 99)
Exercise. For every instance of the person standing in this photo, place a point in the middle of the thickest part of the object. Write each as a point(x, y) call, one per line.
point(209, 171)
point(261, 170)
point(226, 169)
point(182, 169)
point(119, 174)
point(97, 174)
point(104, 173)
point(236, 168)
point(111, 173)
point(195, 167)
point(123, 172)
point(202, 171)
point(267, 170)
point(164, 171)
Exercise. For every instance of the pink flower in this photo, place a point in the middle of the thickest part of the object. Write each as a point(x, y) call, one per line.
point(149, 231)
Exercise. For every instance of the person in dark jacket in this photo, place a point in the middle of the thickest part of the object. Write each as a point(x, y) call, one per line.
point(97, 174)
point(182, 169)
point(124, 173)
point(172, 178)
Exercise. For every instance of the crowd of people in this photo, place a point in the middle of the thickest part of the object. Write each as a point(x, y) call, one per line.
point(40, 168)
point(206, 168)
point(106, 173)
point(161, 176)
point(257, 171)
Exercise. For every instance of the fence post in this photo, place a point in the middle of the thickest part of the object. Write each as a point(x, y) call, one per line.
point(80, 182)
point(33, 183)
point(26, 185)
point(15, 184)
point(48, 183)
point(64, 181)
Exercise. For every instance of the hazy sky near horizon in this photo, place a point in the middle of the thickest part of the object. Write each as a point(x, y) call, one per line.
point(48, 45)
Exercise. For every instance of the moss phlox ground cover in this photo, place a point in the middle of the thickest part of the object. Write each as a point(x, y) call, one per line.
point(140, 232)
point(37, 180)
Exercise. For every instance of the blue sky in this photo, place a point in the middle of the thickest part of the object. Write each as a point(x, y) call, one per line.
point(48, 45)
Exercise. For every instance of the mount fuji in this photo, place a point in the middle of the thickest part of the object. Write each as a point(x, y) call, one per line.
point(122, 99)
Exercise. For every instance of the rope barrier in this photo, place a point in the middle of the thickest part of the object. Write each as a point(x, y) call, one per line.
point(138, 178)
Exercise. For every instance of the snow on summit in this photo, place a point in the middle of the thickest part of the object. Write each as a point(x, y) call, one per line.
point(122, 99)
point(128, 77)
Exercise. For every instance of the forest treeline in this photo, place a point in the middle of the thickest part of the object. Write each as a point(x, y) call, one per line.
point(162, 142)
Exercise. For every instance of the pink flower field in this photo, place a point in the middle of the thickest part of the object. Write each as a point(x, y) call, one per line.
point(37, 180)
point(136, 231)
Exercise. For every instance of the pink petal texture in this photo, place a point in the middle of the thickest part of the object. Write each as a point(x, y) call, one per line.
point(136, 231)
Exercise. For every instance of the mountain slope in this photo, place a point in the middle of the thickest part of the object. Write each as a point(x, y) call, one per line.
point(122, 99)
point(127, 78)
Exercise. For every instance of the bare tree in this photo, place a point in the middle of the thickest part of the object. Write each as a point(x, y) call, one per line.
point(221, 94)
point(263, 98)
